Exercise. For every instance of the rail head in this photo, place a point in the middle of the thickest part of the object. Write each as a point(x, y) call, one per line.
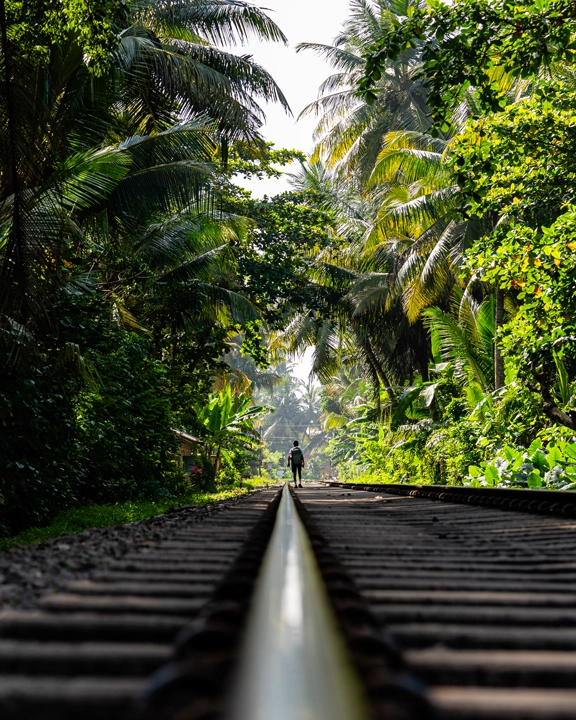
point(294, 663)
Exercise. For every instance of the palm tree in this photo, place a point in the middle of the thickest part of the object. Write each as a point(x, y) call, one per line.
point(357, 322)
point(418, 223)
point(412, 247)
point(350, 131)
point(347, 390)
point(172, 53)
point(98, 168)
point(296, 411)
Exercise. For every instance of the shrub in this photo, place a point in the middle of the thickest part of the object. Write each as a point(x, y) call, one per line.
point(534, 467)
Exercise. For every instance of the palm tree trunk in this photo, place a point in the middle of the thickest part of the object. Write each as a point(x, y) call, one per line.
point(377, 367)
point(424, 369)
point(217, 461)
point(498, 321)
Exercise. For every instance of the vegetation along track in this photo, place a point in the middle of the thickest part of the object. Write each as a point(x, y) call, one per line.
point(477, 603)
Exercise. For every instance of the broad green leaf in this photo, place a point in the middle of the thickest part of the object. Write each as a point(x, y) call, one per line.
point(534, 480)
point(535, 445)
point(491, 475)
point(570, 450)
point(555, 457)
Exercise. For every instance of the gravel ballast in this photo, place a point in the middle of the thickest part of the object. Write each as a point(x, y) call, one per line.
point(29, 571)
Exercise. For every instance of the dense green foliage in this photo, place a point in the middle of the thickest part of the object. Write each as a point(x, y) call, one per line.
point(227, 425)
point(471, 43)
point(518, 165)
point(120, 289)
point(426, 253)
point(36, 26)
point(531, 467)
point(445, 153)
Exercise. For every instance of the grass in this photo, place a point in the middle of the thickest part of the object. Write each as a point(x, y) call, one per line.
point(259, 481)
point(98, 516)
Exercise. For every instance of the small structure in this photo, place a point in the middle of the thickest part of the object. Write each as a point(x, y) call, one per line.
point(189, 448)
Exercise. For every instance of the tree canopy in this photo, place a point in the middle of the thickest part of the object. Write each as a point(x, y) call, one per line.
point(425, 253)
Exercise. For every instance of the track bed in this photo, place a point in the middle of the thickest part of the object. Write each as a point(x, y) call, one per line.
point(476, 602)
point(87, 651)
point(483, 601)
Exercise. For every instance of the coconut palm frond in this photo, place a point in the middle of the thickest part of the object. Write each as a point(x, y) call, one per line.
point(221, 22)
point(326, 345)
point(457, 346)
point(339, 58)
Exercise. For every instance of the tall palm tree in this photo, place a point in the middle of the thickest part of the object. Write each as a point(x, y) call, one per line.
point(350, 131)
point(173, 53)
point(418, 223)
point(415, 225)
point(123, 165)
point(357, 322)
point(412, 246)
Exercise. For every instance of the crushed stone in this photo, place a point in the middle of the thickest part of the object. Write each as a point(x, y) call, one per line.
point(28, 572)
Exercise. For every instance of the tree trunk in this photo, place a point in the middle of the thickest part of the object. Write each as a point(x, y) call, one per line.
point(549, 406)
point(498, 321)
point(424, 372)
point(378, 369)
point(421, 350)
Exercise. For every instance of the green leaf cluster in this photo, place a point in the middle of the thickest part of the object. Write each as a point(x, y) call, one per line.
point(470, 43)
point(37, 25)
point(534, 467)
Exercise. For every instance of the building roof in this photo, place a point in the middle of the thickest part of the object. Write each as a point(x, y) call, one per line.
point(185, 436)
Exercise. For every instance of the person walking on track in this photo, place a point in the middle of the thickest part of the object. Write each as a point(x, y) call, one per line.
point(296, 460)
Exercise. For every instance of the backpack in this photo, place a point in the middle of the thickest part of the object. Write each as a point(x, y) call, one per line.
point(297, 456)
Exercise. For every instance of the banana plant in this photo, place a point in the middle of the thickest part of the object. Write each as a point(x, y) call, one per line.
point(228, 423)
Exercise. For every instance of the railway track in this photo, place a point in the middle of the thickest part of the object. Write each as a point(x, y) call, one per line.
point(435, 603)
point(482, 600)
point(86, 653)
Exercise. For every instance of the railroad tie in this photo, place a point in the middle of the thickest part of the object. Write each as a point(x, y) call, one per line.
point(86, 653)
point(290, 650)
point(481, 600)
point(432, 605)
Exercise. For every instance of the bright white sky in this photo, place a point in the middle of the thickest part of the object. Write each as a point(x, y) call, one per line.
point(298, 75)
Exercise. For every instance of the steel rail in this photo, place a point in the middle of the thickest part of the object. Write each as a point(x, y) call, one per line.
point(294, 664)
point(167, 596)
point(561, 503)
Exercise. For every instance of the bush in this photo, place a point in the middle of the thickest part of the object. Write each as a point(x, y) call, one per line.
point(553, 467)
point(235, 465)
point(424, 453)
point(41, 458)
point(65, 445)
point(125, 425)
